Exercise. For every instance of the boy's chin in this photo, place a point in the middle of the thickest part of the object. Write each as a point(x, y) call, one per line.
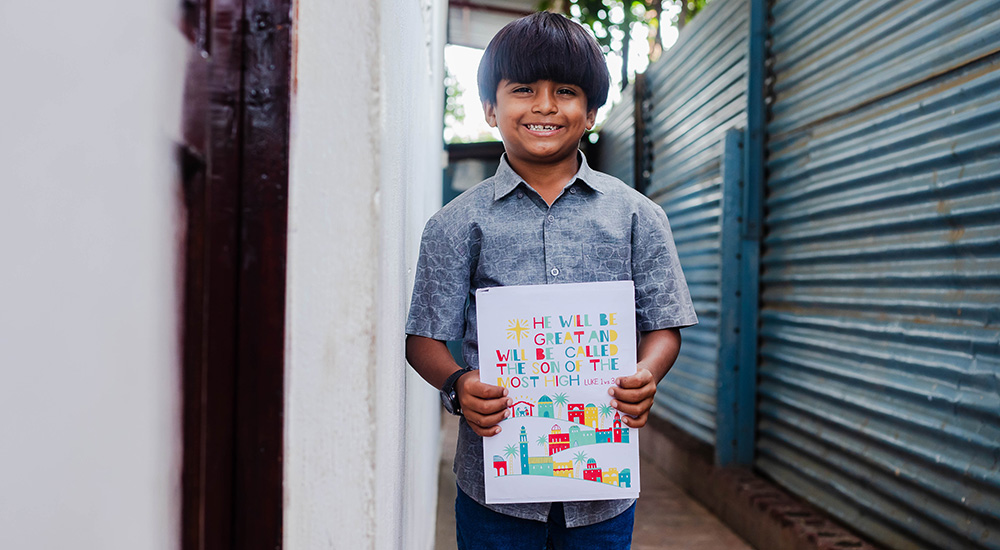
point(548, 155)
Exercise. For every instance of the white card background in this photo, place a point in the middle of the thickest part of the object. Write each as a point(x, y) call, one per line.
point(557, 349)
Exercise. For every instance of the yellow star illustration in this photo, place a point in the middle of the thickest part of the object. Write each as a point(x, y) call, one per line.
point(517, 328)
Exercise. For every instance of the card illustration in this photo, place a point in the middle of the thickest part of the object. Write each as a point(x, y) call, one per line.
point(558, 349)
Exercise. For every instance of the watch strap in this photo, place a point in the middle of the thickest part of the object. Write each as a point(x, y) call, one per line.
point(449, 396)
point(449, 384)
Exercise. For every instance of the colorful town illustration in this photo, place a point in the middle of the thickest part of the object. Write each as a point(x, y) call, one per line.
point(558, 443)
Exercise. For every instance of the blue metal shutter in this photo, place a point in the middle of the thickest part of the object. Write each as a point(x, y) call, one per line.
point(618, 140)
point(879, 390)
point(697, 92)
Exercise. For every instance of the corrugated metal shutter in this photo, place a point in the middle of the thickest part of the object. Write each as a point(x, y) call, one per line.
point(697, 92)
point(879, 390)
point(617, 141)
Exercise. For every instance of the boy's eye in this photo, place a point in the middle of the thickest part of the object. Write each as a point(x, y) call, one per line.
point(568, 91)
point(522, 89)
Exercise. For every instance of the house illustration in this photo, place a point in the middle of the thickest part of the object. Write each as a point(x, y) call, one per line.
point(578, 437)
point(610, 476)
point(621, 432)
point(558, 441)
point(625, 478)
point(545, 407)
point(499, 463)
point(540, 466)
point(522, 408)
point(574, 412)
point(592, 472)
point(562, 469)
point(590, 415)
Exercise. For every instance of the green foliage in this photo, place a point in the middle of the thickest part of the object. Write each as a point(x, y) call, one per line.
point(601, 17)
point(689, 9)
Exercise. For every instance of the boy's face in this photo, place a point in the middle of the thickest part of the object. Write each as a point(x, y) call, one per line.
point(540, 122)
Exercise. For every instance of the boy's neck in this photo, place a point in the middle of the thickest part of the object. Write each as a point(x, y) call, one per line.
point(548, 180)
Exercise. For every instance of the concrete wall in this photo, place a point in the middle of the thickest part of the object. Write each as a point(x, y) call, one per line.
point(365, 174)
point(89, 397)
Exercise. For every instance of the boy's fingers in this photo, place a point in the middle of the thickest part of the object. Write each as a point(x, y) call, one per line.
point(480, 399)
point(483, 415)
point(638, 421)
point(483, 391)
point(634, 388)
point(634, 410)
point(633, 395)
point(637, 380)
point(487, 420)
point(484, 432)
point(485, 425)
point(484, 407)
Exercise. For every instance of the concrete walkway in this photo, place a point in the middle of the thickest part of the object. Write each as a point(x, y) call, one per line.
point(665, 519)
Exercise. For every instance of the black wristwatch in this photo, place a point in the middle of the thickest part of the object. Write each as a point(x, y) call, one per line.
point(449, 398)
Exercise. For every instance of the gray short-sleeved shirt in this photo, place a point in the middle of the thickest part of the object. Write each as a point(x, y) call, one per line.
point(501, 233)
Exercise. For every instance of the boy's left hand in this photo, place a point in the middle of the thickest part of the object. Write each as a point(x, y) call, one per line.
point(633, 396)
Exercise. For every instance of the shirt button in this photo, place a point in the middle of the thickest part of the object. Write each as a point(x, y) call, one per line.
point(555, 271)
point(572, 190)
point(551, 218)
point(520, 195)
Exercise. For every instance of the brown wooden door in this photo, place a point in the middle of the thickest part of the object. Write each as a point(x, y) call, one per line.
point(234, 169)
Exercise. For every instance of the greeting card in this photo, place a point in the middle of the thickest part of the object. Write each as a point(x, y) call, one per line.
point(558, 349)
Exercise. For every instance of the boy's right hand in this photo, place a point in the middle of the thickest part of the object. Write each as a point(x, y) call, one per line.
point(483, 405)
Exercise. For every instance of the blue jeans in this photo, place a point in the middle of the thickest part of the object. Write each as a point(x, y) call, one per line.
point(479, 528)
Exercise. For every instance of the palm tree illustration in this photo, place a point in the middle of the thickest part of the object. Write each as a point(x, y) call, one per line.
point(542, 440)
point(561, 400)
point(606, 411)
point(579, 458)
point(509, 451)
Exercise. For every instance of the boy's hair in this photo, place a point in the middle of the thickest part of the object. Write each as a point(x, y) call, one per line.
point(545, 46)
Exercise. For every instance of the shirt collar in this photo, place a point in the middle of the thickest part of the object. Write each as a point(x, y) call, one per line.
point(506, 179)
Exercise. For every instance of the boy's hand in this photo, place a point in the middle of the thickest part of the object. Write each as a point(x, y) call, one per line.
point(483, 405)
point(633, 396)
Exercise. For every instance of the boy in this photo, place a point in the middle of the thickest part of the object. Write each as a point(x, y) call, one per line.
point(544, 218)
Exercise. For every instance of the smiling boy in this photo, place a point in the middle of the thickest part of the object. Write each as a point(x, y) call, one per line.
point(545, 218)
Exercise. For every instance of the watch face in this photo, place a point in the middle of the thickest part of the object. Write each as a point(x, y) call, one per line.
point(448, 400)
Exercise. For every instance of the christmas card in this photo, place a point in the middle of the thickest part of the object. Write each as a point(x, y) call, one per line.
point(557, 349)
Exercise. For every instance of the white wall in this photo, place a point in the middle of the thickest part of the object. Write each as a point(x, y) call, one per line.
point(365, 173)
point(89, 421)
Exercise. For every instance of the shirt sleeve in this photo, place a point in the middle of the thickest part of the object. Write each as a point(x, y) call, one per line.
point(441, 285)
point(662, 299)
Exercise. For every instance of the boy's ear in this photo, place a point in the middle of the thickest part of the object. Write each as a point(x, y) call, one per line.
point(491, 114)
point(591, 118)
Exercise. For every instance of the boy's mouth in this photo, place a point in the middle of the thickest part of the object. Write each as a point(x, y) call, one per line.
point(542, 128)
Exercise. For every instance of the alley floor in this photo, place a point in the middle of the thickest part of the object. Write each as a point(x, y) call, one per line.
point(666, 518)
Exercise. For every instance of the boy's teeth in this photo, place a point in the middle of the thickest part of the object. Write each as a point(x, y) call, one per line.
point(541, 127)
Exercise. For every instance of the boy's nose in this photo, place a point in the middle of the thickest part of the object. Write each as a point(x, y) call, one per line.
point(545, 104)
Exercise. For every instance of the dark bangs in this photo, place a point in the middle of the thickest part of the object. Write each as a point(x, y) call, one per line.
point(545, 46)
